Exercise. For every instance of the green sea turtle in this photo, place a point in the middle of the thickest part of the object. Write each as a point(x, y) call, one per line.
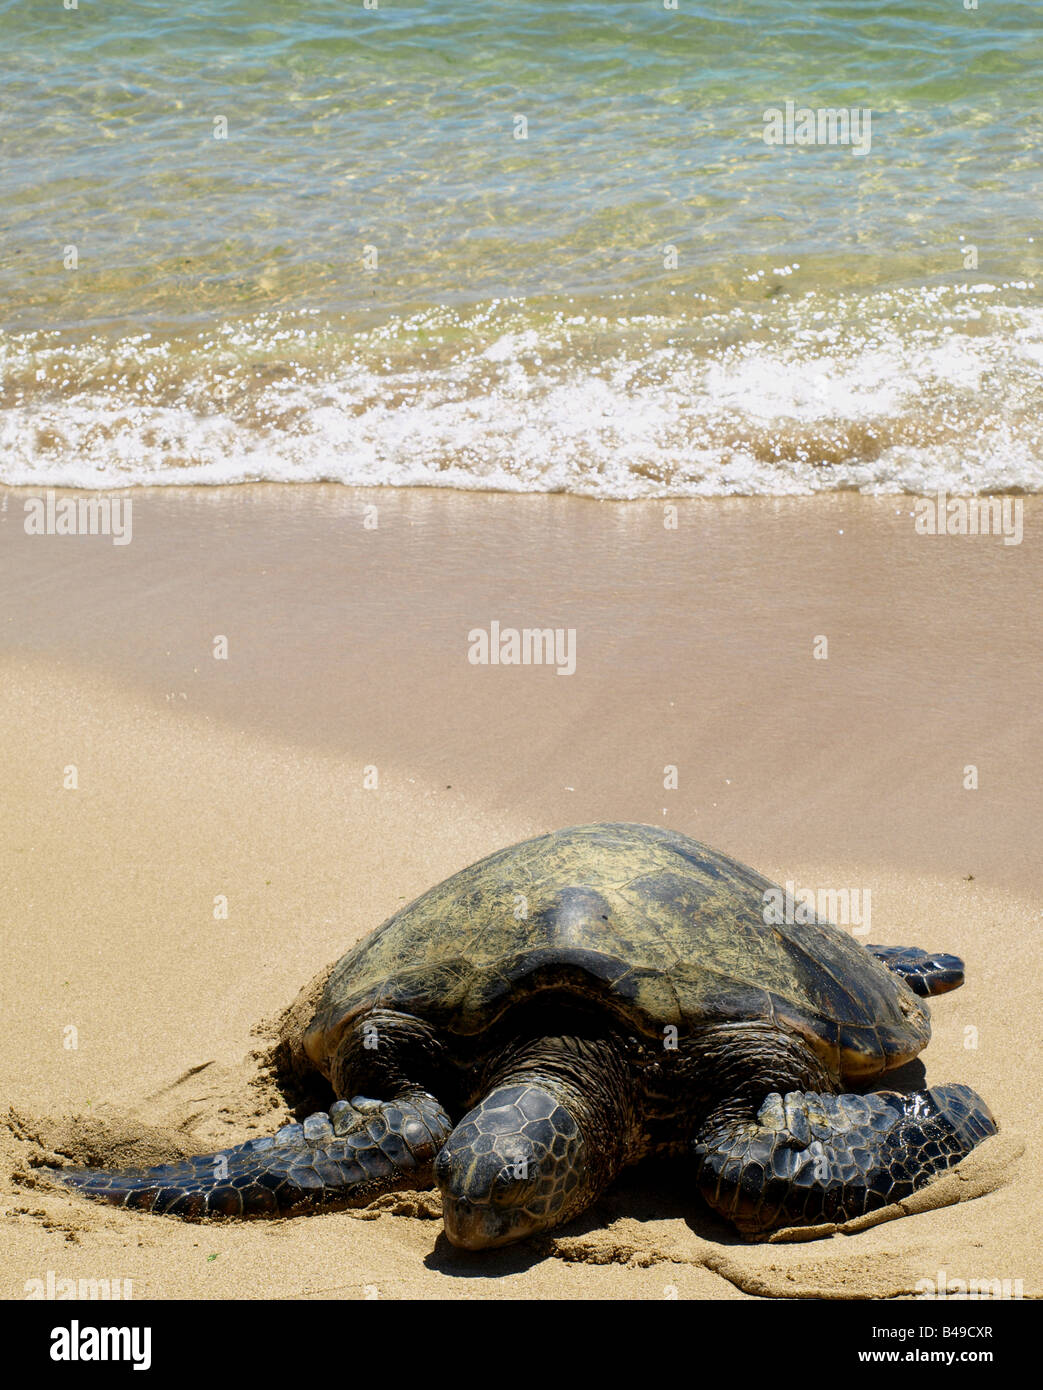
point(568, 1005)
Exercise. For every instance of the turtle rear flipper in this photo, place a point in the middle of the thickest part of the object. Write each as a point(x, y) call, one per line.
point(355, 1153)
point(807, 1158)
point(925, 972)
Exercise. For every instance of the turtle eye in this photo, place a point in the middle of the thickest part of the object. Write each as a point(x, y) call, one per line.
point(512, 1179)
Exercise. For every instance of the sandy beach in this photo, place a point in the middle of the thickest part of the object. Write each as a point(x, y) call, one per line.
point(134, 1021)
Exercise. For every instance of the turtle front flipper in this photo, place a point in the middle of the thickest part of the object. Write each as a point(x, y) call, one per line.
point(358, 1151)
point(925, 972)
point(806, 1158)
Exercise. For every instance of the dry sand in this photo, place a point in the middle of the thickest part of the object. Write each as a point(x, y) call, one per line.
point(348, 649)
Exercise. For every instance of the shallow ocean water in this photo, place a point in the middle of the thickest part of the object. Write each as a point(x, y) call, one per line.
point(372, 279)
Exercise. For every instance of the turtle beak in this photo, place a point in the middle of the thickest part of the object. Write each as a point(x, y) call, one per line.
point(482, 1225)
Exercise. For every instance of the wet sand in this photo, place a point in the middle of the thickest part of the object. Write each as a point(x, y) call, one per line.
point(348, 645)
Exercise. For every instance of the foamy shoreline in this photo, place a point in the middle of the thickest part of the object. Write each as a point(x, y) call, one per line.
point(890, 389)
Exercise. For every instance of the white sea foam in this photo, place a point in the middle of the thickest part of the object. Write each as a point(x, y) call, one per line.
point(914, 392)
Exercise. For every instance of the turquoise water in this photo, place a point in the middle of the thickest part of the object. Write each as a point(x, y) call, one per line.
point(372, 279)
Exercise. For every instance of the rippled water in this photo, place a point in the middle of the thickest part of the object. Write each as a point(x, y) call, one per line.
point(372, 279)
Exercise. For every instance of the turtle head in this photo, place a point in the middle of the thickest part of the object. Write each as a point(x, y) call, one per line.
point(515, 1164)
